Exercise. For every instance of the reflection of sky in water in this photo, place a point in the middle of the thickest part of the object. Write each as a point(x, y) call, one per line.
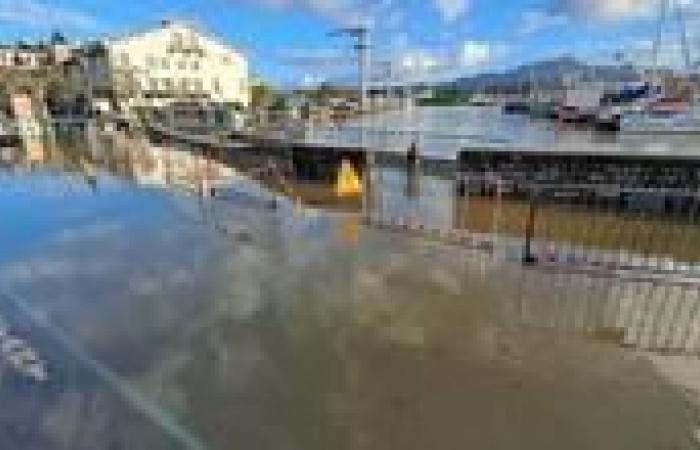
point(413, 198)
point(265, 329)
point(43, 204)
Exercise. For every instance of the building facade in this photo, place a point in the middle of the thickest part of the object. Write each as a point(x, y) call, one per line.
point(24, 56)
point(39, 55)
point(171, 73)
point(34, 78)
point(174, 62)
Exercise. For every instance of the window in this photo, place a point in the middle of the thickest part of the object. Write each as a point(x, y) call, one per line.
point(178, 41)
point(198, 85)
point(168, 84)
point(124, 59)
point(216, 85)
point(219, 117)
point(182, 65)
point(165, 64)
point(226, 60)
point(153, 84)
point(195, 65)
point(150, 62)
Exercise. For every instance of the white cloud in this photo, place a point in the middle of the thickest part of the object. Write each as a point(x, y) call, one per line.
point(537, 20)
point(641, 53)
point(354, 12)
point(420, 62)
point(341, 12)
point(362, 11)
point(414, 64)
point(37, 14)
point(311, 80)
point(445, 63)
point(451, 10)
point(475, 54)
point(608, 10)
point(344, 12)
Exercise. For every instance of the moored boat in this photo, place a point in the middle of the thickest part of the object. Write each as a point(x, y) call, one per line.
point(655, 121)
point(516, 107)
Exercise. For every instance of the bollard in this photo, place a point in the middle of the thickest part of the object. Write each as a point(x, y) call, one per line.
point(412, 156)
point(528, 257)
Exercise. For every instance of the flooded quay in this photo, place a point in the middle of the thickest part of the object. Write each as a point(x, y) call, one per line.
point(267, 318)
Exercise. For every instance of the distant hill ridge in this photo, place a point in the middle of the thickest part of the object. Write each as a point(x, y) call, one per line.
point(548, 73)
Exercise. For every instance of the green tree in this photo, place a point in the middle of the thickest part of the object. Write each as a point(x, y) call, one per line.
point(261, 95)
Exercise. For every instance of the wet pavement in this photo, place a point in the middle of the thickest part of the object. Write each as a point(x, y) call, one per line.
point(167, 319)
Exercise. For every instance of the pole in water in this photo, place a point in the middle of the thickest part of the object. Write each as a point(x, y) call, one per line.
point(528, 257)
point(412, 153)
point(412, 171)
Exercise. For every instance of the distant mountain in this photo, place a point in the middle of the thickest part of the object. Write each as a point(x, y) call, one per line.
point(547, 73)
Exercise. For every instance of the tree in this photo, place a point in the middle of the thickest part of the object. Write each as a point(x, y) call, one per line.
point(261, 95)
point(279, 104)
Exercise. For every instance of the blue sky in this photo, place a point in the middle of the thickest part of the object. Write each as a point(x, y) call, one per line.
point(287, 42)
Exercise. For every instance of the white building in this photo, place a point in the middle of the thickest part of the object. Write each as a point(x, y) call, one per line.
point(169, 65)
point(32, 78)
point(24, 56)
point(32, 56)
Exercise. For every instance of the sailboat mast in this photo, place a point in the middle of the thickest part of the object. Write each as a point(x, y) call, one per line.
point(684, 37)
point(663, 7)
point(671, 8)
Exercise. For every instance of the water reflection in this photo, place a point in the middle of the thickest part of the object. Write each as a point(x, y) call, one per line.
point(301, 328)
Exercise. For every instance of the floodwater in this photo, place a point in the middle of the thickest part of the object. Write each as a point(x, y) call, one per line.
point(165, 318)
point(443, 131)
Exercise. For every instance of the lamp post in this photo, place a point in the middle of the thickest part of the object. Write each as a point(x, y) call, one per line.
point(362, 47)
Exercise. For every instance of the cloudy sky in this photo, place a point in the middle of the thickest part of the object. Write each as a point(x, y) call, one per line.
point(287, 40)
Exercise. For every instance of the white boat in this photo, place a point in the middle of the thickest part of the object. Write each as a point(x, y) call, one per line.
point(650, 122)
point(667, 115)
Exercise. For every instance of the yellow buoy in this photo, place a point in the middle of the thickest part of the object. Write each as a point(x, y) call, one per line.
point(348, 183)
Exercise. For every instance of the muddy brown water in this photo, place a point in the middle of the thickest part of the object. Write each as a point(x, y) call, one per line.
point(172, 320)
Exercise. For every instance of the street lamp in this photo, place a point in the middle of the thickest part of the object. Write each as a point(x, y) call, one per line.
point(362, 47)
